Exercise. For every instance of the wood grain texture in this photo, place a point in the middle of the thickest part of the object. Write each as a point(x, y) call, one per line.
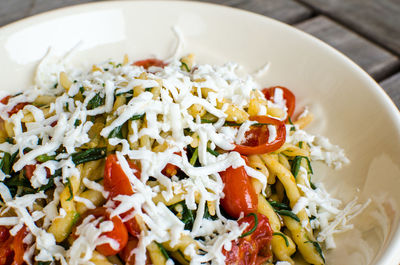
point(392, 87)
point(40, 6)
point(378, 62)
point(287, 11)
point(12, 10)
point(378, 20)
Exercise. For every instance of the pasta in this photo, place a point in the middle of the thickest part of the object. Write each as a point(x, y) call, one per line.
point(158, 163)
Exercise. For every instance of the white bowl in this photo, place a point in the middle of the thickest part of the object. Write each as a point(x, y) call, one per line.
point(350, 108)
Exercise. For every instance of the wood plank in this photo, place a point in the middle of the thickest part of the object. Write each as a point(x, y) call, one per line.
point(11, 10)
point(287, 11)
point(378, 62)
point(392, 87)
point(378, 20)
point(40, 6)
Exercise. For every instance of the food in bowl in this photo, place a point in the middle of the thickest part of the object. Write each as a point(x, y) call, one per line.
point(154, 162)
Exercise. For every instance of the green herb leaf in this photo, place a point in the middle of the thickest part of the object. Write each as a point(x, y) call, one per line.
point(313, 186)
point(254, 227)
point(279, 205)
point(75, 218)
point(44, 262)
point(137, 117)
point(95, 102)
point(318, 248)
point(193, 159)
point(206, 121)
point(213, 152)
point(288, 214)
point(116, 133)
point(301, 144)
point(50, 184)
point(5, 163)
point(229, 123)
point(88, 155)
point(184, 214)
point(43, 158)
point(296, 165)
point(291, 123)
point(10, 140)
point(163, 251)
point(71, 194)
point(148, 89)
point(185, 67)
point(260, 124)
point(284, 237)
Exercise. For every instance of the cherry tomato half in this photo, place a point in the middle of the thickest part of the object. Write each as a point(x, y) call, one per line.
point(254, 248)
point(150, 62)
point(287, 95)
point(258, 143)
point(126, 254)
point(6, 253)
point(12, 249)
point(119, 232)
point(18, 246)
point(240, 196)
point(117, 183)
point(115, 180)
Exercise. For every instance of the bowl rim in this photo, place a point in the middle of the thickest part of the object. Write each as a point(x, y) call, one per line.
point(388, 256)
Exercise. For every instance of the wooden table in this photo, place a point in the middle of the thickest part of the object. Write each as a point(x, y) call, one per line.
point(367, 31)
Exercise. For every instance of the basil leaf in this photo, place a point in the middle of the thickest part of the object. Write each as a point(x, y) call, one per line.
point(137, 117)
point(50, 184)
point(193, 159)
point(296, 165)
point(213, 152)
point(95, 102)
point(116, 133)
point(183, 213)
point(88, 155)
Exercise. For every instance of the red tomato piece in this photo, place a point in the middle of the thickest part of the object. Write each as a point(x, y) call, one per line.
point(115, 180)
point(17, 108)
point(126, 254)
point(254, 248)
point(5, 100)
point(240, 196)
point(119, 232)
point(117, 183)
point(6, 253)
point(170, 170)
point(287, 95)
point(18, 246)
point(150, 62)
point(29, 170)
point(258, 138)
point(133, 227)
